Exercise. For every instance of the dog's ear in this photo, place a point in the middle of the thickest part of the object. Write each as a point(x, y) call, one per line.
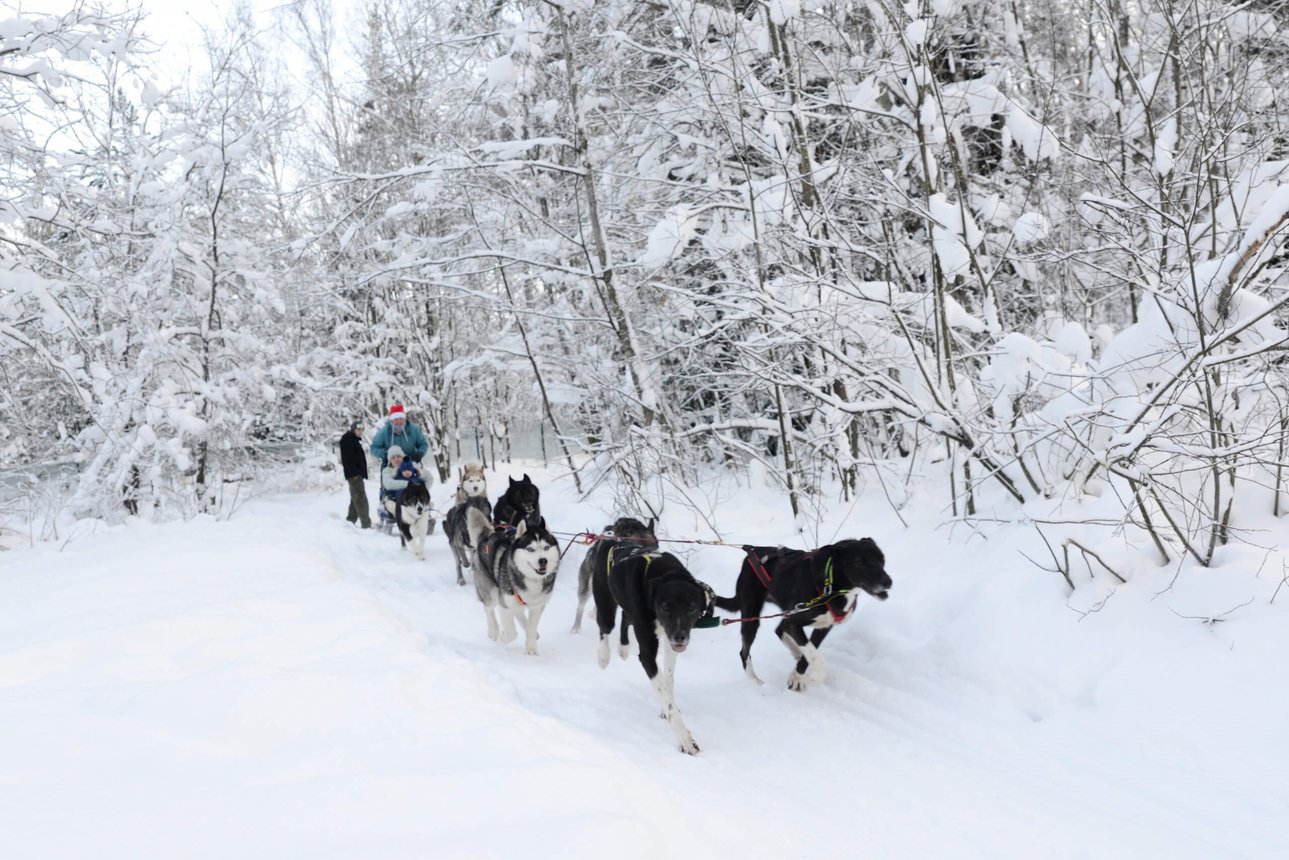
point(512, 480)
point(649, 528)
point(521, 529)
point(526, 480)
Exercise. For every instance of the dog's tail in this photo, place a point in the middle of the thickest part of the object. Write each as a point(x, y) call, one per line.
point(725, 604)
point(584, 575)
point(585, 572)
point(477, 525)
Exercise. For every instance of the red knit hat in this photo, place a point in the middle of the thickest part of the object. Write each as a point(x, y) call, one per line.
point(396, 411)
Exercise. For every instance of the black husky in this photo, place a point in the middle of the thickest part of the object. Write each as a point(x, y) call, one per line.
point(625, 532)
point(657, 594)
point(519, 502)
point(815, 589)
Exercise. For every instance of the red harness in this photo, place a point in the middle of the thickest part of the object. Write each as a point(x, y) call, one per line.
point(758, 567)
point(839, 617)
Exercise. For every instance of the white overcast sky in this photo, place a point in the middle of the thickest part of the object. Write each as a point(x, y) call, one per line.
point(175, 25)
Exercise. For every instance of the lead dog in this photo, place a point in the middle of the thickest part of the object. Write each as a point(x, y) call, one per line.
point(626, 532)
point(816, 589)
point(659, 598)
point(413, 515)
point(472, 492)
point(513, 574)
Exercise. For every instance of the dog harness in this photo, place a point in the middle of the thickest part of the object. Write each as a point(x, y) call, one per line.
point(708, 618)
point(825, 596)
point(757, 564)
point(629, 552)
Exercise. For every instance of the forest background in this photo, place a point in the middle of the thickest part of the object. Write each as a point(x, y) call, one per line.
point(1035, 249)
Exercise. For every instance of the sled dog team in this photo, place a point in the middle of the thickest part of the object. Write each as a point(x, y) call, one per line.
point(513, 560)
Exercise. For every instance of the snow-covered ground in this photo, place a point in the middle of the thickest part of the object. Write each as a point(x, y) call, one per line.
point(283, 685)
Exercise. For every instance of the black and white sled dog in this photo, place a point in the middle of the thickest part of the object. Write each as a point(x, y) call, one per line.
point(472, 492)
point(514, 574)
point(519, 502)
point(625, 532)
point(413, 515)
point(660, 599)
point(816, 589)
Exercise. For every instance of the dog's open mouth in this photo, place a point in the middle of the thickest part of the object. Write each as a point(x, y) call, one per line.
point(679, 646)
point(881, 595)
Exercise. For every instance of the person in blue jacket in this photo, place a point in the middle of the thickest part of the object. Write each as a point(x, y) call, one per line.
point(401, 432)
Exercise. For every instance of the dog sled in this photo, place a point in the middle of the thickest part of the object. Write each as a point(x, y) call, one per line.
point(389, 502)
point(385, 520)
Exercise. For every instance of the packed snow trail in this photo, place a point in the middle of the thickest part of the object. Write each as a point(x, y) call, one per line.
point(285, 685)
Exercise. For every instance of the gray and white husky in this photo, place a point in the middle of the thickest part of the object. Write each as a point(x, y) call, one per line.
point(471, 482)
point(472, 492)
point(514, 574)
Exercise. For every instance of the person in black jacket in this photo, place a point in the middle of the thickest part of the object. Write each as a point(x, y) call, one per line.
point(354, 462)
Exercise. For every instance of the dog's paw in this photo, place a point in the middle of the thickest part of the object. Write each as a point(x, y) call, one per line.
point(531, 650)
point(818, 669)
point(797, 682)
point(602, 653)
point(624, 651)
point(688, 746)
point(508, 636)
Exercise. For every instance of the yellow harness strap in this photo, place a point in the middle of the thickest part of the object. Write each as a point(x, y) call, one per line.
point(648, 557)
